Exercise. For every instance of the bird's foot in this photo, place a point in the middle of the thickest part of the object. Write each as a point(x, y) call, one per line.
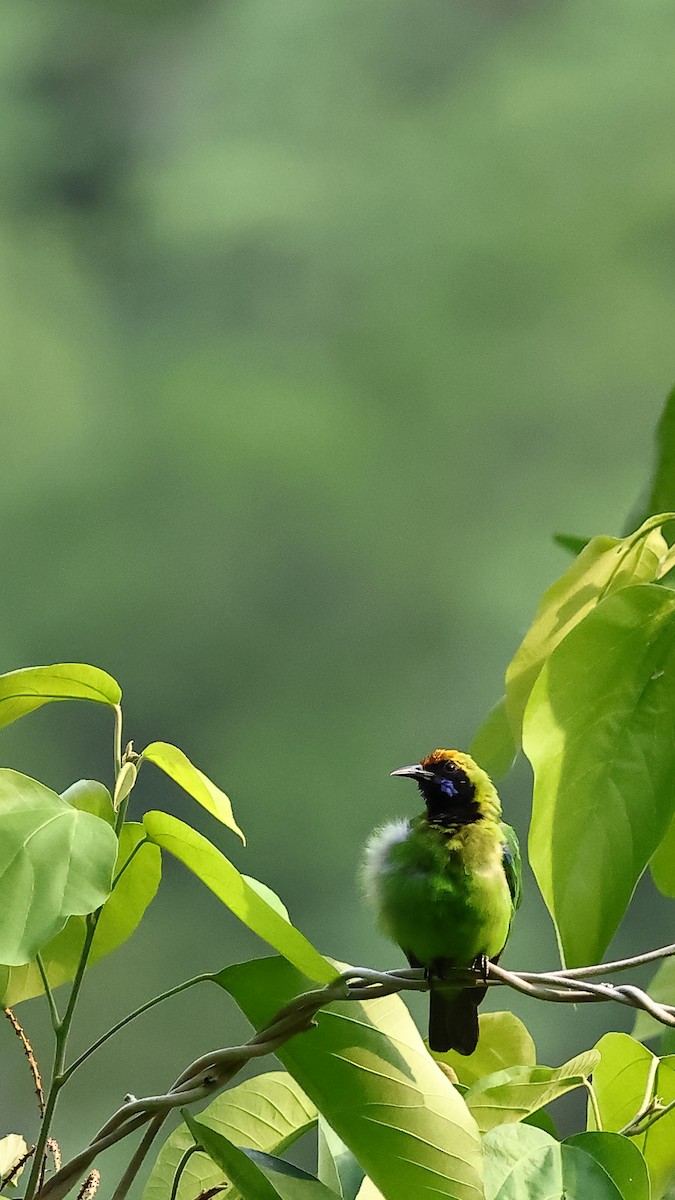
point(481, 965)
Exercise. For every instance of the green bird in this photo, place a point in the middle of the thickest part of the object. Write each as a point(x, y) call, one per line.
point(446, 885)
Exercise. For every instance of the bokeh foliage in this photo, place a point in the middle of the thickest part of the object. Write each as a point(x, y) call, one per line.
point(319, 318)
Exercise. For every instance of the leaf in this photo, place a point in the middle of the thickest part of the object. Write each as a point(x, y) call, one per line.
point(661, 488)
point(571, 542)
point(232, 1162)
point(620, 1082)
point(268, 1112)
point(662, 865)
point(598, 731)
point(88, 795)
point(12, 1150)
point(290, 1181)
point(23, 691)
point(661, 989)
point(245, 901)
point(510, 1095)
point(368, 1191)
point(493, 745)
point(524, 1163)
point(503, 1041)
point(125, 783)
point(337, 1167)
point(366, 1069)
point(620, 1158)
point(178, 767)
point(120, 916)
point(54, 861)
point(606, 565)
point(541, 1119)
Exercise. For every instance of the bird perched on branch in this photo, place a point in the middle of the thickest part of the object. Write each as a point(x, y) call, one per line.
point(446, 885)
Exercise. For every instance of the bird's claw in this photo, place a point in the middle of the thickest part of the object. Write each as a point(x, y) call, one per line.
point(481, 965)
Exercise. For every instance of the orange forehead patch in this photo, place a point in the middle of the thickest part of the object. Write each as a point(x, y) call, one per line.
point(442, 756)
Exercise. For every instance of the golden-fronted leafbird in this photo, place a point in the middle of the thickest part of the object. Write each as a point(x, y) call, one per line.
point(446, 885)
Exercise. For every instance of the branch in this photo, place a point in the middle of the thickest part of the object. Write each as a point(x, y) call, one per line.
point(210, 1073)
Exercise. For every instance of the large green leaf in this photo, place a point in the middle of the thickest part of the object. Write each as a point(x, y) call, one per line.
point(620, 1158)
point(661, 989)
point(366, 1069)
point(245, 901)
point(55, 861)
point(524, 1163)
point(620, 1082)
point(88, 795)
point(494, 746)
point(604, 566)
point(258, 1176)
point(23, 691)
point(662, 865)
point(120, 916)
point(599, 732)
point(510, 1095)
point(337, 1166)
point(178, 767)
point(503, 1042)
point(268, 1113)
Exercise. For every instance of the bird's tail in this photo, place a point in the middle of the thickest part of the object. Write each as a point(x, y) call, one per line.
point(453, 1019)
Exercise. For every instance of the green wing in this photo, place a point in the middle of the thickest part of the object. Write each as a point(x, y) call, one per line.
point(511, 860)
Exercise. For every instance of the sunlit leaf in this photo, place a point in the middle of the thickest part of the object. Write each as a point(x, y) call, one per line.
point(337, 1166)
point(512, 1094)
point(493, 745)
point(55, 861)
point(245, 901)
point(620, 1158)
point(91, 796)
point(12, 1149)
point(23, 691)
point(620, 1082)
point(366, 1068)
point(504, 1041)
point(125, 782)
point(524, 1163)
point(267, 1113)
point(232, 1162)
point(120, 916)
point(606, 565)
point(599, 731)
point(178, 767)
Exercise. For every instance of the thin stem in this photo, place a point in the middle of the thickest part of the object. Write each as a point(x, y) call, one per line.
point(136, 1163)
point(62, 1031)
point(180, 1168)
point(138, 1012)
point(647, 1107)
point(118, 739)
point(594, 1104)
point(143, 842)
point(53, 1010)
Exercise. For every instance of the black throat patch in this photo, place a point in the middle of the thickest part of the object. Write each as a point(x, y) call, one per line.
point(450, 797)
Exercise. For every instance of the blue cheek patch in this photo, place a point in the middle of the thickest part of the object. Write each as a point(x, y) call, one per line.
point(447, 787)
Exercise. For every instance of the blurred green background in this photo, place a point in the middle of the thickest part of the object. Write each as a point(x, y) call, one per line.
point(319, 317)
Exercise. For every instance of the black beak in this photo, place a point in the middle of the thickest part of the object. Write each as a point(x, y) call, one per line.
point(415, 771)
